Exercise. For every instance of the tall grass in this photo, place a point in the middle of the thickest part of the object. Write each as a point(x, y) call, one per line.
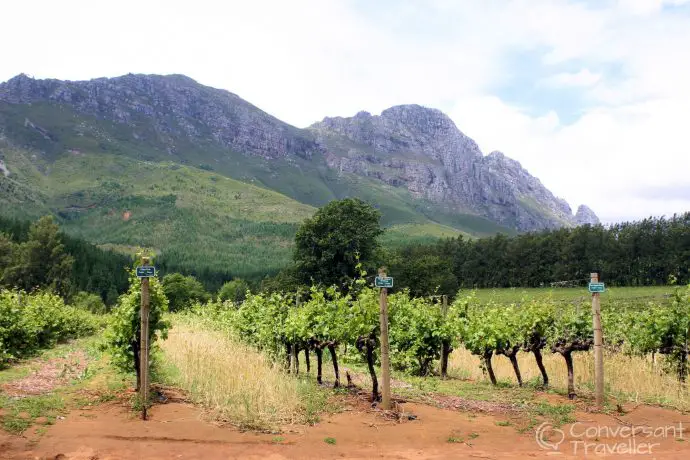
point(234, 381)
point(627, 378)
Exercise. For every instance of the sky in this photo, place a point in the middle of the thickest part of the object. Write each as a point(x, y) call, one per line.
point(591, 96)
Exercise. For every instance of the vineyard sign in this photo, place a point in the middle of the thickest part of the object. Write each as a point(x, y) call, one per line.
point(146, 271)
point(596, 287)
point(383, 282)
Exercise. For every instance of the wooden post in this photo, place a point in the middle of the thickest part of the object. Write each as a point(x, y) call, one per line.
point(144, 348)
point(598, 346)
point(295, 348)
point(385, 359)
point(445, 346)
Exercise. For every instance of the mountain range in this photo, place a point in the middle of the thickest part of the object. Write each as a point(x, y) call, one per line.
point(199, 173)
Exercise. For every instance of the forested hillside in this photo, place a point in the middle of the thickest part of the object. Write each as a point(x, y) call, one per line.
point(36, 255)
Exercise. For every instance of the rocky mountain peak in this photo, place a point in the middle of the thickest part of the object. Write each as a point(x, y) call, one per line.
point(585, 215)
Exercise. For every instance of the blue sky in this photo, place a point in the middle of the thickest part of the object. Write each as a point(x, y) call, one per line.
point(559, 85)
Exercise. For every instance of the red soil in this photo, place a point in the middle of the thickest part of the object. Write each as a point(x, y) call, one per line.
point(177, 430)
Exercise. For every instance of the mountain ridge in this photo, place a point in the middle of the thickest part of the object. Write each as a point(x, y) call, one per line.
point(411, 161)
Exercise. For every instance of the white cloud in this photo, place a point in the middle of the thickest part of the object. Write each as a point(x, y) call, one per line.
point(307, 59)
point(583, 78)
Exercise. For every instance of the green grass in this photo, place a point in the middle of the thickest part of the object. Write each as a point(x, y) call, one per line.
point(634, 295)
point(330, 441)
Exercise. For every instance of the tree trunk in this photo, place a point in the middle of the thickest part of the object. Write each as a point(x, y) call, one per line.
point(134, 344)
point(372, 371)
point(513, 360)
point(306, 358)
point(568, 356)
point(334, 358)
point(540, 365)
point(489, 367)
point(288, 355)
point(682, 369)
point(319, 362)
point(445, 352)
point(295, 358)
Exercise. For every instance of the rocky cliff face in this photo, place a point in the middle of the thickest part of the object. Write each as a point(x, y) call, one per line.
point(408, 146)
point(585, 215)
point(176, 107)
point(422, 149)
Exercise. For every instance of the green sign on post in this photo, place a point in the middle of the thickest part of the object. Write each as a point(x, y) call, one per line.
point(146, 271)
point(383, 282)
point(597, 287)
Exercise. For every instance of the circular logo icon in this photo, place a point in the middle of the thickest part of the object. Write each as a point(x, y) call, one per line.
point(548, 437)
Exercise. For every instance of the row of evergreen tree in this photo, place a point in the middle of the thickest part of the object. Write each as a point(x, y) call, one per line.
point(647, 252)
point(643, 253)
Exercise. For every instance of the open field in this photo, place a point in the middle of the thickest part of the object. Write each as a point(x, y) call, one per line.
point(631, 295)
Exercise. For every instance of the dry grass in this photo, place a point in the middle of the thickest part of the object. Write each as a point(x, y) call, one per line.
point(234, 381)
point(631, 379)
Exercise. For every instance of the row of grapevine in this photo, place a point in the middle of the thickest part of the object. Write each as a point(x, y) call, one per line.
point(422, 331)
point(30, 322)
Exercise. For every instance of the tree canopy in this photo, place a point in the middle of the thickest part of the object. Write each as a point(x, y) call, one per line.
point(234, 291)
point(329, 244)
point(182, 291)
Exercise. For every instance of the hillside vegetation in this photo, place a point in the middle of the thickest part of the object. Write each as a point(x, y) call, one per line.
point(197, 221)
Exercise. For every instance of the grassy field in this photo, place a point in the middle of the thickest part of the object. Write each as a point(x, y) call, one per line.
point(632, 295)
point(234, 381)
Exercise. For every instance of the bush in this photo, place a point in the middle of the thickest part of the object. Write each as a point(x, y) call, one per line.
point(89, 302)
point(183, 291)
point(30, 322)
point(234, 291)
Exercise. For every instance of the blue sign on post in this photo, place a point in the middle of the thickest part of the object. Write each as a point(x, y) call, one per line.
point(146, 271)
point(383, 282)
point(596, 287)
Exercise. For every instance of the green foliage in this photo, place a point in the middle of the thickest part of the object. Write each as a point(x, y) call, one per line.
point(30, 322)
point(640, 253)
point(183, 291)
point(94, 270)
point(234, 291)
point(122, 338)
point(89, 302)
point(415, 332)
point(662, 328)
point(329, 245)
point(41, 261)
point(422, 273)
point(571, 329)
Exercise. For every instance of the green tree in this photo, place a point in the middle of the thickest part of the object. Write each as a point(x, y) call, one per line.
point(42, 260)
point(7, 251)
point(182, 291)
point(89, 302)
point(234, 291)
point(331, 243)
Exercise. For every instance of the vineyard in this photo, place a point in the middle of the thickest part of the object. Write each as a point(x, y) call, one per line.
point(425, 331)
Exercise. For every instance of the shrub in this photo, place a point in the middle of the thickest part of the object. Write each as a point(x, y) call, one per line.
point(30, 322)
